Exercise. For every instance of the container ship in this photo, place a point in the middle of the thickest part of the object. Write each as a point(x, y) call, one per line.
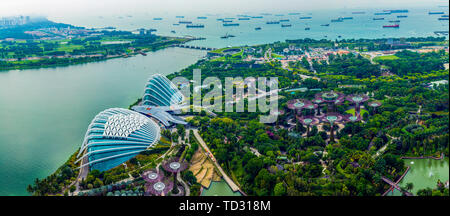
point(286, 25)
point(391, 26)
point(231, 24)
point(434, 13)
point(402, 16)
point(305, 18)
point(195, 26)
point(380, 18)
point(273, 22)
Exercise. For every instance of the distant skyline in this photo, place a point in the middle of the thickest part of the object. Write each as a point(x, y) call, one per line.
point(112, 7)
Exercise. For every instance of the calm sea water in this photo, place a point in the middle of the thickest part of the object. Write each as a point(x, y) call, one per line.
point(44, 112)
point(417, 24)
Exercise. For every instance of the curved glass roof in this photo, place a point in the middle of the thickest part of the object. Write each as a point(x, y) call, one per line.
point(115, 136)
point(160, 91)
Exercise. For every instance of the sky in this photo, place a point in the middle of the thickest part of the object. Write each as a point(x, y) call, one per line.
point(88, 7)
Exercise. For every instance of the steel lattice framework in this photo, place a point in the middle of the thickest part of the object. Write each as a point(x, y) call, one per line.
point(116, 135)
point(160, 91)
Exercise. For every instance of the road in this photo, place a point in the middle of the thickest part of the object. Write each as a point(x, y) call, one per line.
point(227, 179)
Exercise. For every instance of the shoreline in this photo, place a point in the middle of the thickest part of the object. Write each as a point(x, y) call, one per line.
point(425, 157)
point(398, 181)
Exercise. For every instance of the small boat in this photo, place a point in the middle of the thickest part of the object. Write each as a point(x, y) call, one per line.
point(173, 32)
point(258, 28)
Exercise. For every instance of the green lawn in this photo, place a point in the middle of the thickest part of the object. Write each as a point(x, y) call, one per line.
point(388, 57)
point(352, 111)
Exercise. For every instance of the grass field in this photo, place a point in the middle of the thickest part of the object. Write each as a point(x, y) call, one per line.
point(352, 111)
point(388, 57)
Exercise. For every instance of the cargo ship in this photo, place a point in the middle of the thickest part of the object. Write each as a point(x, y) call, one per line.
point(176, 24)
point(443, 18)
point(157, 18)
point(273, 22)
point(202, 17)
point(195, 26)
point(257, 17)
point(338, 20)
point(244, 18)
point(184, 22)
point(380, 18)
point(284, 20)
point(397, 11)
point(227, 36)
point(305, 18)
point(382, 13)
point(391, 26)
point(347, 18)
point(231, 24)
point(286, 25)
point(278, 15)
point(307, 28)
point(402, 16)
point(258, 28)
point(325, 25)
point(227, 21)
point(394, 21)
point(294, 13)
point(219, 19)
point(434, 13)
point(179, 16)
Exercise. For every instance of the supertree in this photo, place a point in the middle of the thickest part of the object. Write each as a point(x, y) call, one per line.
point(331, 98)
point(374, 105)
point(297, 105)
point(332, 118)
point(318, 101)
point(308, 121)
point(357, 99)
point(175, 166)
point(152, 176)
point(311, 107)
point(160, 187)
point(353, 118)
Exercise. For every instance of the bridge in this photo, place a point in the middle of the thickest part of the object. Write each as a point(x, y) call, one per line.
point(194, 47)
point(395, 185)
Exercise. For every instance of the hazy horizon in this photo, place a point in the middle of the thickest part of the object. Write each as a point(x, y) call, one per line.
point(112, 7)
